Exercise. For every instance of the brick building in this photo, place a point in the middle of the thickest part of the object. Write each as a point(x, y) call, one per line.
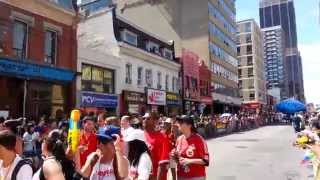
point(38, 50)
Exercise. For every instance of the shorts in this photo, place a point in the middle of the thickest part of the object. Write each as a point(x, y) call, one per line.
point(172, 164)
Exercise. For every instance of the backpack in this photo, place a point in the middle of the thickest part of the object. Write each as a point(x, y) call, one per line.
point(18, 167)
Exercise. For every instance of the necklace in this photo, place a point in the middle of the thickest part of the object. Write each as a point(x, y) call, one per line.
point(9, 169)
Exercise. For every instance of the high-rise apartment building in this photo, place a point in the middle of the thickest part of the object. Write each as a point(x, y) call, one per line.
point(274, 58)
point(252, 82)
point(282, 12)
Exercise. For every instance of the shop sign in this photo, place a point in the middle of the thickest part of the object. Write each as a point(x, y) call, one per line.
point(173, 99)
point(133, 108)
point(23, 69)
point(156, 97)
point(134, 97)
point(91, 99)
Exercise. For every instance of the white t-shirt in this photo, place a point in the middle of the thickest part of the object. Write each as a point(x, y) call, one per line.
point(143, 170)
point(28, 141)
point(127, 131)
point(103, 171)
point(24, 173)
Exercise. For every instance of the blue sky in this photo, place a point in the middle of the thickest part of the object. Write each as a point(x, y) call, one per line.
point(308, 29)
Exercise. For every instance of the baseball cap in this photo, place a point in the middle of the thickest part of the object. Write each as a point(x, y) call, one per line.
point(168, 120)
point(135, 134)
point(108, 132)
point(146, 115)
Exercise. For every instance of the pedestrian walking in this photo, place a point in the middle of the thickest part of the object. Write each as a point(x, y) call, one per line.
point(88, 139)
point(108, 163)
point(56, 165)
point(158, 147)
point(12, 166)
point(126, 128)
point(139, 156)
point(191, 152)
point(167, 132)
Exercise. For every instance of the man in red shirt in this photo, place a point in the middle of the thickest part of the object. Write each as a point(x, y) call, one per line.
point(158, 146)
point(88, 140)
point(191, 150)
point(167, 133)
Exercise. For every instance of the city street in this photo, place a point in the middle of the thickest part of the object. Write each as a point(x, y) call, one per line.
point(262, 154)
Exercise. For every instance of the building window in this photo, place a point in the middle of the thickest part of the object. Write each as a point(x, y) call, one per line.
point(240, 72)
point(167, 82)
point(97, 79)
point(149, 78)
point(249, 61)
point(249, 49)
point(20, 39)
point(129, 37)
point(153, 47)
point(252, 96)
point(50, 47)
point(238, 50)
point(240, 84)
point(248, 38)
point(128, 73)
point(174, 84)
point(167, 53)
point(250, 72)
point(140, 71)
point(247, 27)
point(159, 78)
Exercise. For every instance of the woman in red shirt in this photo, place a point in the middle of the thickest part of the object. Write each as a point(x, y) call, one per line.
point(191, 151)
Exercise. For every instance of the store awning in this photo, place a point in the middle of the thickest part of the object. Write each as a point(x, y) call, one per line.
point(25, 69)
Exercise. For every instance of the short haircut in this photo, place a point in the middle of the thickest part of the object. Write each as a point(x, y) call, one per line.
point(154, 115)
point(7, 139)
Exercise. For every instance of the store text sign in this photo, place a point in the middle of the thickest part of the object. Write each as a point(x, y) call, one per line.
point(156, 97)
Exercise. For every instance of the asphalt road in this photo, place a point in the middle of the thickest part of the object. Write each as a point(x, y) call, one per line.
point(261, 154)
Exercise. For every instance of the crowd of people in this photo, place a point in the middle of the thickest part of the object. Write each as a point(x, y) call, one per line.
point(150, 147)
point(208, 126)
point(307, 127)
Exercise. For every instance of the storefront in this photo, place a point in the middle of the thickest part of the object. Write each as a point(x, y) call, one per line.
point(99, 102)
point(35, 90)
point(174, 104)
point(133, 103)
point(206, 105)
point(156, 100)
point(252, 107)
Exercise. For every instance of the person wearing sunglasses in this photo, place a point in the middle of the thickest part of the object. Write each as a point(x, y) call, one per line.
point(108, 163)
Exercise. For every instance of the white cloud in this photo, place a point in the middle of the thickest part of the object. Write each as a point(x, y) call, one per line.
point(310, 54)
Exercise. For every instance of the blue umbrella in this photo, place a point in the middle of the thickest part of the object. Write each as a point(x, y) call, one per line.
point(290, 106)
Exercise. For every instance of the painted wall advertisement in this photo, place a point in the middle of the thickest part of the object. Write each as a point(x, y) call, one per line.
point(156, 97)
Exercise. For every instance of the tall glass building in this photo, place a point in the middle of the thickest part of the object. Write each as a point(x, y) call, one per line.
point(274, 49)
point(282, 13)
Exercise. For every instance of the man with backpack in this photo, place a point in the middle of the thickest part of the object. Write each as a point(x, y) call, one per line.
point(12, 166)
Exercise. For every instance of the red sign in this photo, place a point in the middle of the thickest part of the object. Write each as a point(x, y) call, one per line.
point(156, 97)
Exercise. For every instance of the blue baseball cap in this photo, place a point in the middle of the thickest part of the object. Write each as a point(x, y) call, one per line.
point(107, 132)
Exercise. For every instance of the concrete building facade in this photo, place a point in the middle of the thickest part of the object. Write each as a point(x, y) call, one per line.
point(207, 28)
point(145, 72)
point(274, 58)
point(252, 82)
point(38, 49)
